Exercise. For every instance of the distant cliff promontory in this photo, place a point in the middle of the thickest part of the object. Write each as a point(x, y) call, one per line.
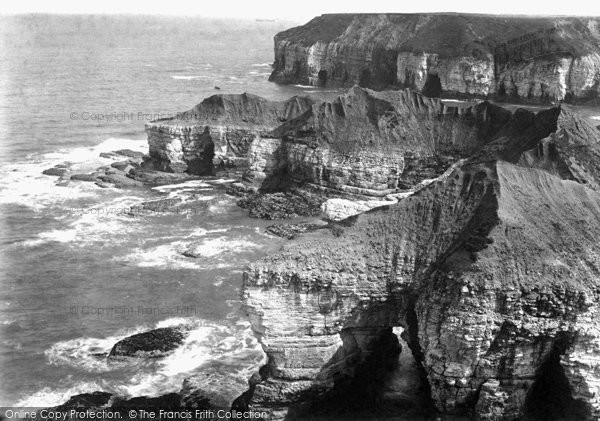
point(537, 59)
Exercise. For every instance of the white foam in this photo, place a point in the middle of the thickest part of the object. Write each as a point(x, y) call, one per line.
point(222, 181)
point(185, 184)
point(201, 232)
point(206, 343)
point(48, 397)
point(596, 117)
point(188, 77)
point(213, 252)
point(208, 347)
point(94, 225)
point(163, 256)
point(221, 205)
point(262, 65)
point(220, 245)
point(24, 184)
point(79, 352)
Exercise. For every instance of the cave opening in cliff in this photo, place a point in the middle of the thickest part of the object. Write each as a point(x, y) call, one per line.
point(203, 164)
point(432, 87)
point(366, 79)
point(322, 76)
point(550, 396)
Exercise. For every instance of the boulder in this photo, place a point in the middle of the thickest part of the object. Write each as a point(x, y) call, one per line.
point(151, 344)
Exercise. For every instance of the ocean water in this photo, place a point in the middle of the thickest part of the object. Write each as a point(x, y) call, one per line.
point(77, 273)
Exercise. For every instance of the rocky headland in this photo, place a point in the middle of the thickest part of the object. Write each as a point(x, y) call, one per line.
point(469, 228)
point(456, 271)
point(491, 270)
point(516, 58)
point(474, 232)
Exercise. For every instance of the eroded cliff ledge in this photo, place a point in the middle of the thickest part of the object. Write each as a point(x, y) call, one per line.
point(516, 58)
point(493, 270)
point(216, 132)
point(364, 143)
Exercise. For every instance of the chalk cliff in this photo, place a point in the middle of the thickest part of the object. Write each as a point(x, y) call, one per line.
point(364, 143)
point(371, 143)
point(517, 58)
point(216, 132)
point(492, 270)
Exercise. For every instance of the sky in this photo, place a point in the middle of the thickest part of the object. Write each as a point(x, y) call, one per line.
point(300, 10)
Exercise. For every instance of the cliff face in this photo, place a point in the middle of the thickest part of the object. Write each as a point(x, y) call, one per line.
point(371, 143)
point(364, 143)
point(535, 59)
point(492, 270)
point(216, 132)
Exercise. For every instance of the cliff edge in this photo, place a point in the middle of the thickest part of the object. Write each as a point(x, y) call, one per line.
point(538, 59)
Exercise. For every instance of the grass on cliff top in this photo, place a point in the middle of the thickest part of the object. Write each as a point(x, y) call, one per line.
point(444, 34)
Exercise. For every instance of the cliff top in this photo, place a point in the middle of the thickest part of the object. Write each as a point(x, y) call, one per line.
point(442, 33)
point(238, 110)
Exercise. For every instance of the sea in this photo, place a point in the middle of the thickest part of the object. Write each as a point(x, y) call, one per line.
point(77, 273)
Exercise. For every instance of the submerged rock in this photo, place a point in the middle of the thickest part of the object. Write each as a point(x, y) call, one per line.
point(130, 154)
point(168, 402)
point(58, 170)
point(151, 344)
point(94, 400)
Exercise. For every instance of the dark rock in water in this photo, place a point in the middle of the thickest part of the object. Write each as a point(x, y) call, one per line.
point(94, 400)
point(241, 402)
point(85, 177)
point(284, 205)
point(290, 231)
point(119, 180)
point(152, 344)
point(129, 153)
point(191, 252)
point(194, 396)
point(109, 155)
point(161, 205)
point(124, 166)
point(168, 402)
point(57, 171)
point(151, 177)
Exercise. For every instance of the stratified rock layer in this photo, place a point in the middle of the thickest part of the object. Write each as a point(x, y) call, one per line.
point(364, 143)
point(493, 270)
point(216, 132)
point(370, 143)
point(526, 58)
